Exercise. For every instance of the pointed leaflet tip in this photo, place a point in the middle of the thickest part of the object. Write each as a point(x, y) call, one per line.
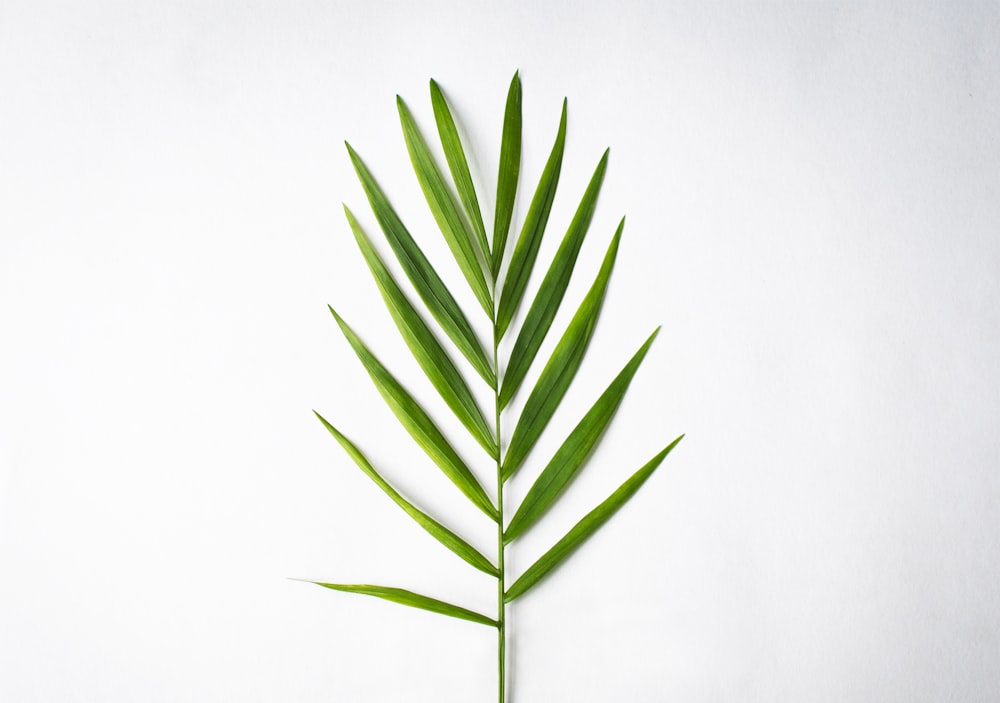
point(328, 426)
point(338, 318)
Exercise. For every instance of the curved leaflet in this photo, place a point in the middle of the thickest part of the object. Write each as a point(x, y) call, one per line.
point(418, 423)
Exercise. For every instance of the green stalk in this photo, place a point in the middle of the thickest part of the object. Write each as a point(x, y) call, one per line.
point(501, 604)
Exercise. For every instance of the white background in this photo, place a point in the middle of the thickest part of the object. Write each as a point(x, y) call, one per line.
point(813, 216)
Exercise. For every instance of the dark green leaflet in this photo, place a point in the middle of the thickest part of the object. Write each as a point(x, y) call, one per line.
point(418, 423)
point(422, 275)
point(458, 165)
point(573, 453)
point(414, 600)
point(526, 249)
point(510, 168)
point(561, 367)
point(441, 533)
point(550, 294)
point(453, 226)
point(433, 359)
point(586, 527)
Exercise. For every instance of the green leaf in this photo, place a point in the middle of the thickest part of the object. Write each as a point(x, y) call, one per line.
point(425, 347)
point(561, 367)
point(510, 168)
point(441, 533)
point(573, 453)
point(586, 527)
point(526, 249)
point(446, 214)
point(419, 424)
point(550, 293)
point(425, 280)
point(458, 164)
point(414, 600)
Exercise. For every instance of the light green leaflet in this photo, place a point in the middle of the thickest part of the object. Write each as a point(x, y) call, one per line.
point(459, 165)
point(399, 595)
point(418, 423)
point(439, 301)
point(510, 168)
point(526, 250)
point(570, 457)
point(550, 294)
point(433, 359)
point(591, 522)
point(453, 225)
point(499, 285)
point(562, 367)
point(435, 528)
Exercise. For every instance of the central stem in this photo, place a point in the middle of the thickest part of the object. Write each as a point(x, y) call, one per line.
point(501, 606)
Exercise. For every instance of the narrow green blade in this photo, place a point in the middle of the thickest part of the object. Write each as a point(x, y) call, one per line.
point(458, 164)
point(561, 367)
point(586, 527)
point(510, 168)
point(414, 600)
point(550, 294)
point(446, 214)
point(425, 347)
point(573, 453)
point(441, 533)
point(427, 283)
point(526, 250)
point(418, 423)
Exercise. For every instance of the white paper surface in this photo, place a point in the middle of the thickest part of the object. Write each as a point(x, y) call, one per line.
point(812, 205)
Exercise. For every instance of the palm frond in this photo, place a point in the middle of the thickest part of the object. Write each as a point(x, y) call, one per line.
point(500, 294)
